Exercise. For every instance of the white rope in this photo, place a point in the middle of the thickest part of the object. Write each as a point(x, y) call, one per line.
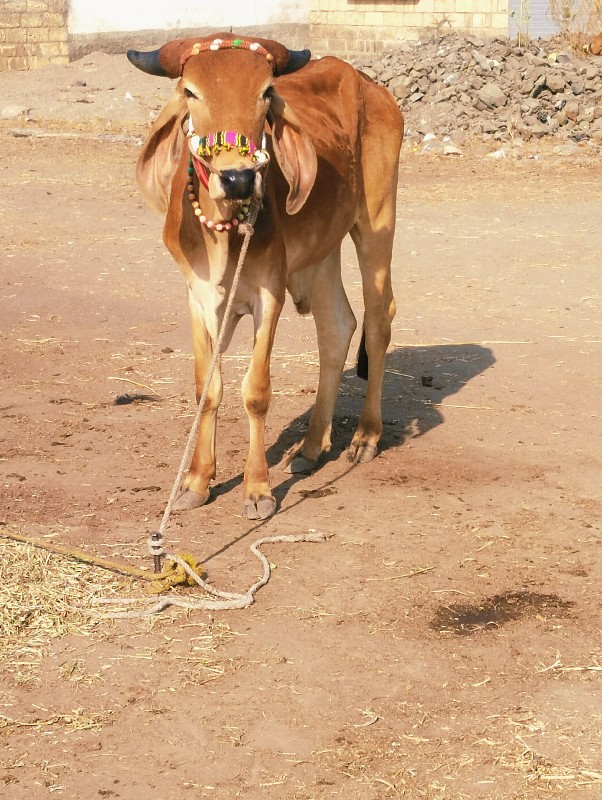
point(226, 601)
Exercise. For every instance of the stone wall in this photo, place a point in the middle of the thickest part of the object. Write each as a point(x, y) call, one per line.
point(33, 33)
point(354, 27)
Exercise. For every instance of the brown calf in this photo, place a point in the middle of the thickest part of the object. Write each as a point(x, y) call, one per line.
point(334, 139)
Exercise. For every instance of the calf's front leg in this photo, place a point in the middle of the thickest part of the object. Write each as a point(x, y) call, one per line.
point(259, 502)
point(195, 491)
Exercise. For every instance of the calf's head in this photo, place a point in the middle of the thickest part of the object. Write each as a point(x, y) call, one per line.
point(226, 93)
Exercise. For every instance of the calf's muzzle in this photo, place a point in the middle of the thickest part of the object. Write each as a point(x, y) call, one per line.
point(238, 184)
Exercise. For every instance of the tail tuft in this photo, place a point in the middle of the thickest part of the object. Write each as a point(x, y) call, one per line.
point(362, 359)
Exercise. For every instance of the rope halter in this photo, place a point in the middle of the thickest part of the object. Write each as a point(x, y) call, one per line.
point(203, 147)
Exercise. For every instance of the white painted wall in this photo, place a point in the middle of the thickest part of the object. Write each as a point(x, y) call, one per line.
point(539, 22)
point(104, 16)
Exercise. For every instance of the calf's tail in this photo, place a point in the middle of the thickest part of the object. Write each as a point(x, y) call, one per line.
point(362, 358)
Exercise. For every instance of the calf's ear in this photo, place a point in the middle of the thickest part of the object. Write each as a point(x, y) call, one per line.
point(294, 152)
point(161, 154)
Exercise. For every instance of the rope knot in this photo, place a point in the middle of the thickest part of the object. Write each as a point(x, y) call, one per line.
point(177, 574)
point(246, 229)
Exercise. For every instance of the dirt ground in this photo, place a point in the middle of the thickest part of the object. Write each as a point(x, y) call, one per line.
point(445, 641)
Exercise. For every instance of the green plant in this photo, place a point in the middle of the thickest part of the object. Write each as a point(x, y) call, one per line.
point(524, 15)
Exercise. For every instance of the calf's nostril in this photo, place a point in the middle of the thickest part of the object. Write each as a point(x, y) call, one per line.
point(238, 183)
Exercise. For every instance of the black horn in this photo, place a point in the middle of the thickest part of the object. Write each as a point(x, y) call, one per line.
point(297, 59)
point(147, 62)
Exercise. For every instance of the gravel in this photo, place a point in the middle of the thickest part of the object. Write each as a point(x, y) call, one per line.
point(459, 88)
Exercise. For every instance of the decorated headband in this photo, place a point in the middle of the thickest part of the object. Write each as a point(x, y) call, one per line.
point(212, 143)
point(226, 140)
point(231, 44)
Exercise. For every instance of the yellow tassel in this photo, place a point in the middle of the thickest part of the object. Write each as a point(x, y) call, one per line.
point(175, 575)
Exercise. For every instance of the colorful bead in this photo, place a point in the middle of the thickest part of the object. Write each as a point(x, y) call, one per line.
point(220, 44)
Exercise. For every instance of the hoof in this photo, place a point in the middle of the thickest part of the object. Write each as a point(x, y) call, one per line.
point(189, 500)
point(300, 465)
point(361, 453)
point(262, 508)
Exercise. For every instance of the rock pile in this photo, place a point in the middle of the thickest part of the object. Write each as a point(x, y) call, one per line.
point(466, 87)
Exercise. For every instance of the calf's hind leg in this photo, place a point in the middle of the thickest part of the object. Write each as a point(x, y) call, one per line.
point(373, 235)
point(374, 255)
point(335, 324)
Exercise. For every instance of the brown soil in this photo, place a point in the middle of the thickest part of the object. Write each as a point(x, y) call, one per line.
point(444, 643)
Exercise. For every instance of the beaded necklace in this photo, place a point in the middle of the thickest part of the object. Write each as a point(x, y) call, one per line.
point(225, 225)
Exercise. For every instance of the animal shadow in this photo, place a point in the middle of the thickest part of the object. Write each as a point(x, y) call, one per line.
point(417, 380)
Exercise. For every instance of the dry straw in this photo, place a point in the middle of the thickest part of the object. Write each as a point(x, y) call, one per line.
point(44, 596)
